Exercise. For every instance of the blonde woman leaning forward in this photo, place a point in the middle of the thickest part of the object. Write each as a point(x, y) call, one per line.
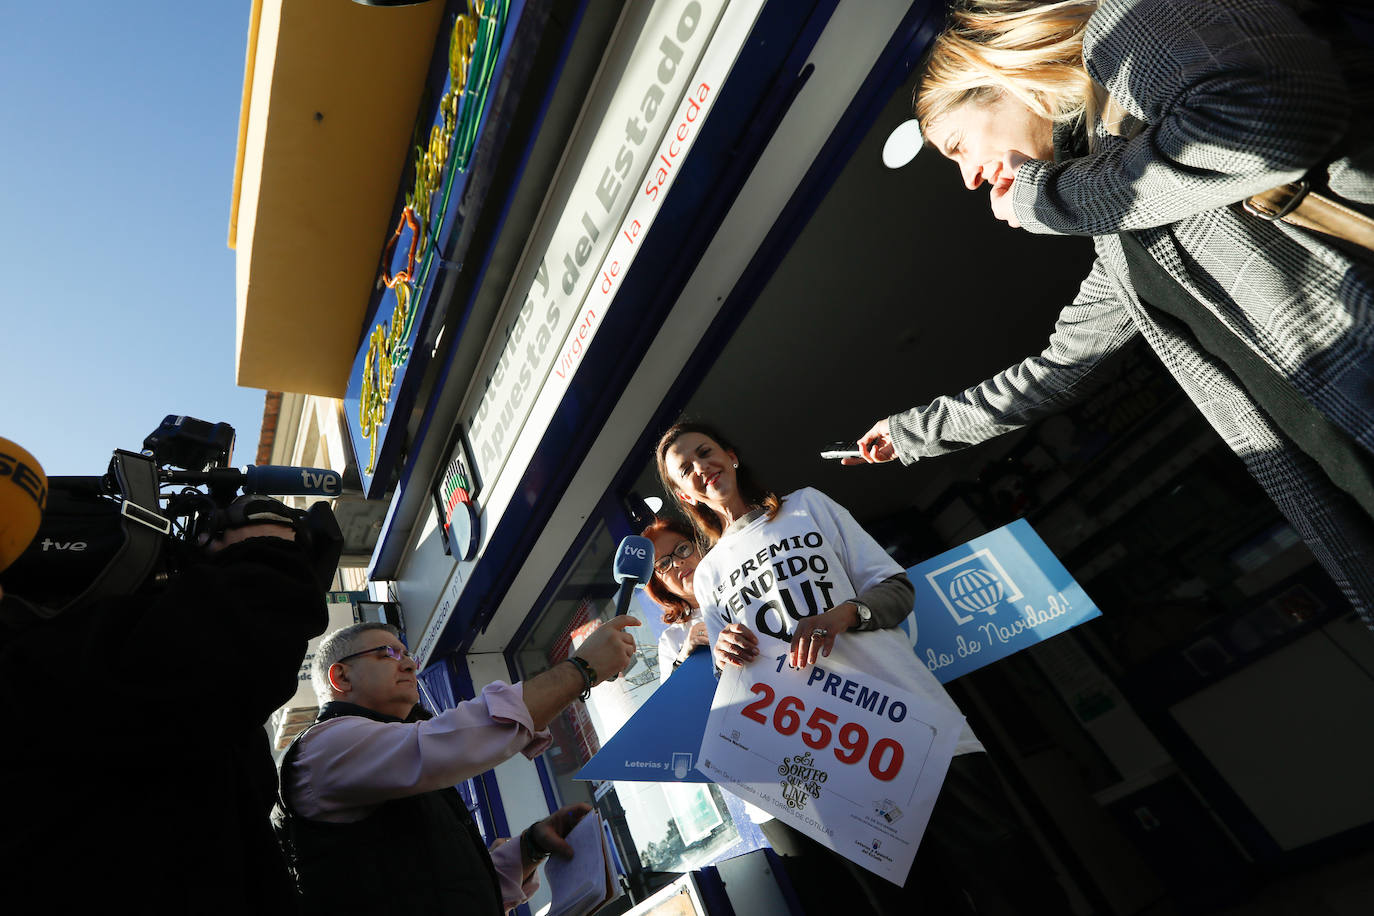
point(1150, 125)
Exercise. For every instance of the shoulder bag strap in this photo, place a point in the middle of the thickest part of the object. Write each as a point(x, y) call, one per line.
point(1294, 203)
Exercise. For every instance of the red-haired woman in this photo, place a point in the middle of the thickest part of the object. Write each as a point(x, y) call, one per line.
point(676, 556)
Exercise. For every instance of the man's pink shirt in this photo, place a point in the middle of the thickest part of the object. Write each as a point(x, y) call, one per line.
point(345, 767)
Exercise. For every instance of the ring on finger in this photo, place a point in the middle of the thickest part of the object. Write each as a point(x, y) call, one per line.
point(820, 633)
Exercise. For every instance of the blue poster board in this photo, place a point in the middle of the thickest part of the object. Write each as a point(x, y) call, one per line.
point(993, 596)
point(660, 741)
point(975, 604)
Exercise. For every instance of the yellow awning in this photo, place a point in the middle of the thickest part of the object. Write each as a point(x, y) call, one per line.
point(331, 90)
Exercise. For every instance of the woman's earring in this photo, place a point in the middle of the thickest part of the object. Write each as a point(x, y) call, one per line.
point(735, 465)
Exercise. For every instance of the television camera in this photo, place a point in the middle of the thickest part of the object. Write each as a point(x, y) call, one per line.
point(151, 513)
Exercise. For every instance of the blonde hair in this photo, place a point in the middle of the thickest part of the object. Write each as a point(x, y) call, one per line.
point(1031, 51)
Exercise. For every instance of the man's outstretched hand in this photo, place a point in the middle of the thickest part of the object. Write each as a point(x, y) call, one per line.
point(550, 834)
point(610, 649)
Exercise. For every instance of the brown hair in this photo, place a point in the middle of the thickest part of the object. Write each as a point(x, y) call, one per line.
point(710, 526)
point(1033, 51)
point(676, 609)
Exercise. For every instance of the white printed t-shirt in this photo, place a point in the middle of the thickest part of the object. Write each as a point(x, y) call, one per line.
point(811, 557)
point(671, 642)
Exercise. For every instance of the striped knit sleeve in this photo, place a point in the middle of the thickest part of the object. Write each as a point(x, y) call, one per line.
point(1237, 97)
point(1088, 331)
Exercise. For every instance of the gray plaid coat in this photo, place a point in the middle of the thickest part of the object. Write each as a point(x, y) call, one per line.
point(1236, 96)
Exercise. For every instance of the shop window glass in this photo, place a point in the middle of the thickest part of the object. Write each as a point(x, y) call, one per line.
point(660, 827)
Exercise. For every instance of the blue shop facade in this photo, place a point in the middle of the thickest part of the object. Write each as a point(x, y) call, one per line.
point(617, 213)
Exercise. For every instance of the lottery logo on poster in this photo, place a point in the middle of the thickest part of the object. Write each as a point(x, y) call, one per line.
point(975, 584)
point(801, 779)
point(982, 601)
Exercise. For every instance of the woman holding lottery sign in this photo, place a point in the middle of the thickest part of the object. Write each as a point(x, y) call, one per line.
point(797, 576)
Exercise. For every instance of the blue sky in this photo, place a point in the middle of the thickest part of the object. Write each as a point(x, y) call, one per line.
point(119, 128)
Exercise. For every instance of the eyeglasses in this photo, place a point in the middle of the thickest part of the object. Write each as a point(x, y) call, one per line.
point(390, 652)
point(681, 552)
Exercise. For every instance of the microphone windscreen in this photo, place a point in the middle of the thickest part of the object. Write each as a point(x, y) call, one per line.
point(23, 497)
point(634, 559)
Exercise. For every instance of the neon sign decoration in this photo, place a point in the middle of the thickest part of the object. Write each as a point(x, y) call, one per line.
point(474, 44)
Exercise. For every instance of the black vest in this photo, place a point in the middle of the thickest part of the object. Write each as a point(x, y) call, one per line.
point(420, 854)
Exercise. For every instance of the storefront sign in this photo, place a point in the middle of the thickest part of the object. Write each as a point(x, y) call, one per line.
point(653, 118)
point(424, 646)
point(543, 334)
point(438, 163)
point(850, 760)
point(660, 741)
point(995, 595)
point(454, 496)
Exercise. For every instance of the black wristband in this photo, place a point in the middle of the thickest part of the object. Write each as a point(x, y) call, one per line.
point(531, 850)
point(588, 674)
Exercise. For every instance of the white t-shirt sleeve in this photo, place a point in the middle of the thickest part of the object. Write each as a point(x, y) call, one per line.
point(668, 648)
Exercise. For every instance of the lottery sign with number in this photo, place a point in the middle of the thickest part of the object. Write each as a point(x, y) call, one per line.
point(846, 758)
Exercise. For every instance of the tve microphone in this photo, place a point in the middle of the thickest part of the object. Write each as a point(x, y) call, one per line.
point(23, 497)
point(283, 480)
point(634, 564)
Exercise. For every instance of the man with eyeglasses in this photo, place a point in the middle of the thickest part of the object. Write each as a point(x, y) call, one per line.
point(368, 816)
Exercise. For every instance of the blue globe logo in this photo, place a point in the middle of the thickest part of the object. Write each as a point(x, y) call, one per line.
point(976, 590)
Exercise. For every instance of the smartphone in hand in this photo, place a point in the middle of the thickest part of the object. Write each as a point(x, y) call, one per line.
point(837, 450)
